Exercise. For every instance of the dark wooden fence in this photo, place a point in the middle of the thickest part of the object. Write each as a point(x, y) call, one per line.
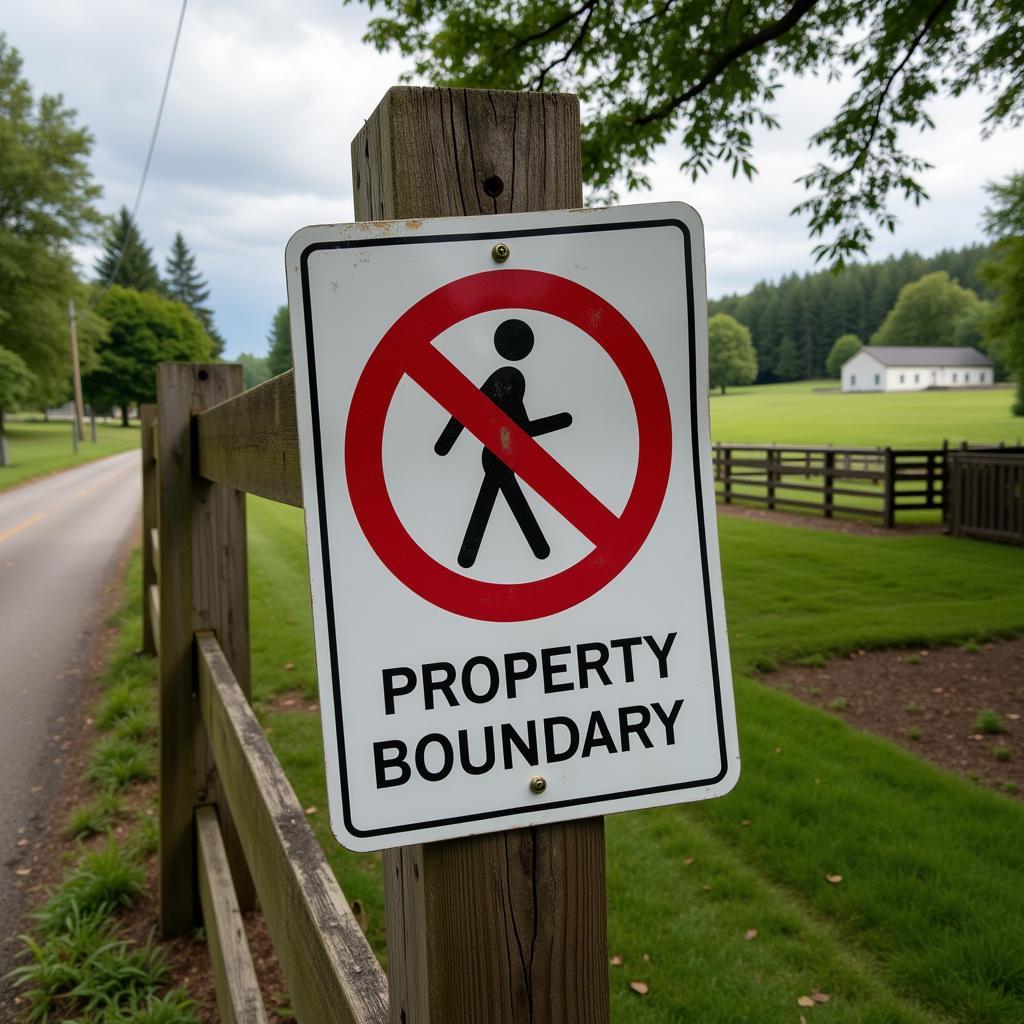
point(864, 483)
point(986, 491)
point(231, 829)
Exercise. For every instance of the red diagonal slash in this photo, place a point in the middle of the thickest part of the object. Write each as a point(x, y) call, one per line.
point(461, 398)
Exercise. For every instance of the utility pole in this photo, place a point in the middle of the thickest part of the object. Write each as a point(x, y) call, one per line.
point(76, 374)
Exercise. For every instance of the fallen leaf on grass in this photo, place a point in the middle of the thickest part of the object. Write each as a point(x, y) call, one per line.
point(707, 888)
point(778, 750)
point(288, 666)
point(616, 961)
point(745, 822)
point(834, 879)
point(647, 957)
point(750, 933)
point(641, 988)
point(688, 861)
point(311, 810)
point(806, 1002)
point(803, 1019)
point(820, 997)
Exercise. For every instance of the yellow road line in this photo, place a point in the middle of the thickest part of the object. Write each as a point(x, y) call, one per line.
point(21, 526)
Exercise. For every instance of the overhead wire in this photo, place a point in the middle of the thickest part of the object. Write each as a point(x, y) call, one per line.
point(149, 157)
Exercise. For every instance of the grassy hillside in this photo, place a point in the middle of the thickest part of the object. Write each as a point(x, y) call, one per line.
point(35, 448)
point(925, 925)
point(797, 414)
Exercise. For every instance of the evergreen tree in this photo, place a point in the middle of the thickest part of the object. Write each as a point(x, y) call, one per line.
point(182, 281)
point(279, 358)
point(788, 363)
point(127, 260)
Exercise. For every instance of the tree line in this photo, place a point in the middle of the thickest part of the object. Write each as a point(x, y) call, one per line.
point(795, 322)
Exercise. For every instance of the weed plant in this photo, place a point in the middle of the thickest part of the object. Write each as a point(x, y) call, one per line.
point(988, 722)
point(95, 817)
point(118, 762)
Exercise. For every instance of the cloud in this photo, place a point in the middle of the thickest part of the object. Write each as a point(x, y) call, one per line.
point(267, 95)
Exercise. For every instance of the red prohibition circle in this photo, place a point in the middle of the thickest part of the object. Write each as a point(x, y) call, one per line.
point(407, 348)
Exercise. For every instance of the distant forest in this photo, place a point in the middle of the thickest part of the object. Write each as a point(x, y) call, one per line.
point(794, 323)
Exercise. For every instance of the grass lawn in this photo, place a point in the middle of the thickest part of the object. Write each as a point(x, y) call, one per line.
point(36, 448)
point(926, 924)
point(797, 414)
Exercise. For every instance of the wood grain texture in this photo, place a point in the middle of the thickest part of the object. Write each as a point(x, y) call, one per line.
point(203, 585)
point(251, 442)
point(441, 152)
point(147, 417)
point(238, 991)
point(331, 971)
point(508, 928)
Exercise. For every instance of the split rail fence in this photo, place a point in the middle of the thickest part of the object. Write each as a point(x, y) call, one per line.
point(232, 832)
point(866, 483)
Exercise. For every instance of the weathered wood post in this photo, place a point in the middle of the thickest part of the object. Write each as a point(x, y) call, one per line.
point(147, 417)
point(203, 585)
point(508, 927)
point(830, 483)
point(889, 484)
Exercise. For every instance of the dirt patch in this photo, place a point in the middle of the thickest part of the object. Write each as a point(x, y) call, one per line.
point(852, 526)
point(929, 702)
point(293, 700)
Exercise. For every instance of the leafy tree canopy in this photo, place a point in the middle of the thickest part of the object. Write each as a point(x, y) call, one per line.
point(731, 355)
point(144, 329)
point(704, 75)
point(126, 259)
point(182, 281)
point(1004, 328)
point(846, 346)
point(927, 312)
point(46, 203)
point(256, 369)
point(16, 381)
point(279, 339)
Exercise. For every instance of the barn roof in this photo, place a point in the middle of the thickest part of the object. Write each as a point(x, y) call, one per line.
point(926, 355)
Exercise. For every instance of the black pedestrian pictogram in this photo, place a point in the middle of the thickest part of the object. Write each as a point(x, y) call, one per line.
point(506, 387)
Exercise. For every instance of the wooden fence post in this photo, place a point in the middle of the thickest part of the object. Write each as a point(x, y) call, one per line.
point(147, 417)
point(830, 483)
point(506, 928)
point(203, 586)
point(889, 493)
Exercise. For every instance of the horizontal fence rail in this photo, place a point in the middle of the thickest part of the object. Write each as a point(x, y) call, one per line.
point(251, 442)
point(987, 495)
point(877, 484)
point(331, 971)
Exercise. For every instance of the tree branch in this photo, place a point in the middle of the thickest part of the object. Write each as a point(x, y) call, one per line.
point(894, 74)
point(741, 49)
point(589, 6)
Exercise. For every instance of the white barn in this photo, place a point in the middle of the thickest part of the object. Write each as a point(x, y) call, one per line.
point(916, 367)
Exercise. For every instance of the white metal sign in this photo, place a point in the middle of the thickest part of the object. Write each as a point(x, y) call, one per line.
point(510, 516)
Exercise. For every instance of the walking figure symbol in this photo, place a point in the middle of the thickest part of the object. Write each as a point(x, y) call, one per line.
point(506, 387)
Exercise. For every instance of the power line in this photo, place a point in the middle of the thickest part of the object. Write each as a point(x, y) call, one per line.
point(149, 154)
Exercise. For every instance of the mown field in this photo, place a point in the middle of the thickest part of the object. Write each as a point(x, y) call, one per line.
point(36, 448)
point(926, 923)
point(798, 414)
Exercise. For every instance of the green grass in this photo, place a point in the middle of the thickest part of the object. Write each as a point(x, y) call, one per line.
point(925, 925)
point(988, 721)
point(36, 448)
point(796, 414)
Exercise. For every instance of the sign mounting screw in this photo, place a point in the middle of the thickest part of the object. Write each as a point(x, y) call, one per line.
point(501, 252)
point(538, 784)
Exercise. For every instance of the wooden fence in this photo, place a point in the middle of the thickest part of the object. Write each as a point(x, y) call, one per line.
point(231, 829)
point(866, 483)
point(987, 495)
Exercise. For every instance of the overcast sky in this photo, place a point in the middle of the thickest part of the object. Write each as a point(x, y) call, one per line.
point(267, 94)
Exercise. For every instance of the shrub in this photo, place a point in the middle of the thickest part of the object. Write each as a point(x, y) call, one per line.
point(988, 721)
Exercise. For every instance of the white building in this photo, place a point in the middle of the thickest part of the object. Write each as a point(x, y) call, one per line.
point(914, 368)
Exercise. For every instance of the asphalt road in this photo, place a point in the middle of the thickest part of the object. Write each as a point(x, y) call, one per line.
point(61, 539)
